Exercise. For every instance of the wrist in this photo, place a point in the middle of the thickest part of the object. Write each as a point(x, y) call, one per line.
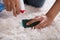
point(49, 17)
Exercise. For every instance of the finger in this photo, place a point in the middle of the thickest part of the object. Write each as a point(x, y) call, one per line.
point(42, 25)
point(10, 5)
point(7, 4)
point(17, 6)
point(37, 16)
point(13, 7)
point(34, 20)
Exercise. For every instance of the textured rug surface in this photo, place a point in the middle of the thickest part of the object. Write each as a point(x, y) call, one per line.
point(11, 27)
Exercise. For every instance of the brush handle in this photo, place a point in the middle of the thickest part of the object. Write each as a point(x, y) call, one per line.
point(24, 21)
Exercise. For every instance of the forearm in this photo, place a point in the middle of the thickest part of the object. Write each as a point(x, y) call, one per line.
point(54, 10)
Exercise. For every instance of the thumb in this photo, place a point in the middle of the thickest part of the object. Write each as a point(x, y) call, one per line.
point(34, 20)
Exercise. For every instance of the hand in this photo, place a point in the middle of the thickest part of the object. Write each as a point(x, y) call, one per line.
point(12, 5)
point(44, 21)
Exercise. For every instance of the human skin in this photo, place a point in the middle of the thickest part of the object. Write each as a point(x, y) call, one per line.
point(50, 15)
point(12, 5)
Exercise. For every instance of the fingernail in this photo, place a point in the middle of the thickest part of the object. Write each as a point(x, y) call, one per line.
point(33, 27)
point(27, 24)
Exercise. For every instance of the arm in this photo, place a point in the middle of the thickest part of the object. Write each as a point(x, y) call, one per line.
point(54, 10)
point(50, 16)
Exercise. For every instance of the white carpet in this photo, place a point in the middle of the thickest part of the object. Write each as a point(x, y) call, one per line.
point(11, 27)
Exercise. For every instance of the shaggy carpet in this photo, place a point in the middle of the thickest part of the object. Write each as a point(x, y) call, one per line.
point(11, 27)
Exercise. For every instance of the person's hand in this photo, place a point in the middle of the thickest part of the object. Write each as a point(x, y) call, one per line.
point(12, 5)
point(44, 21)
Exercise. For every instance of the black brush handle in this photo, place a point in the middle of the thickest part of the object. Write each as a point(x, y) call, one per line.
point(31, 25)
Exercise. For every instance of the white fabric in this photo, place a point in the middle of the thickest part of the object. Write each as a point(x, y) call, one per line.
point(11, 27)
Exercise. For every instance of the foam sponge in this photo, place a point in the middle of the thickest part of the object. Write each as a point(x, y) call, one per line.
point(31, 25)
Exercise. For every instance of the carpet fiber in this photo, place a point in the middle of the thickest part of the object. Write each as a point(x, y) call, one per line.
point(11, 27)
